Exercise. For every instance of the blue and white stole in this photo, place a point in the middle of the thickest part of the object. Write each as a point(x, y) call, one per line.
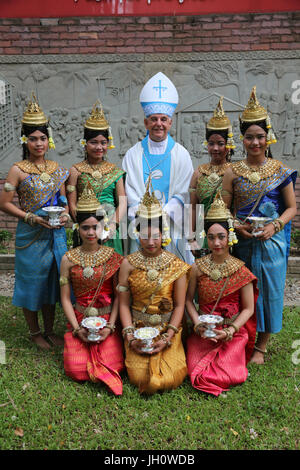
point(160, 168)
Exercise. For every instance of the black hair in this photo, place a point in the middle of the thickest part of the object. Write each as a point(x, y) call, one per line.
point(223, 133)
point(263, 124)
point(210, 223)
point(92, 133)
point(81, 217)
point(29, 129)
point(142, 222)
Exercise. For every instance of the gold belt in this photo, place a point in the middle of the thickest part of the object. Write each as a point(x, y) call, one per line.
point(151, 319)
point(93, 311)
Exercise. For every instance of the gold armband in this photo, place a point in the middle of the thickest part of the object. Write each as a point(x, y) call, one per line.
point(63, 280)
point(225, 192)
point(8, 187)
point(120, 288)
point(70, 188)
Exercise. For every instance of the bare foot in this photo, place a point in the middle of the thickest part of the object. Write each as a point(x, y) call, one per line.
point(55, 340)
point(40, 341)
point(257, 357)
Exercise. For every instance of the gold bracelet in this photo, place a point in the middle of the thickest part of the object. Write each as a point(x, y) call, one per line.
point(130, 341)
point(172, 327)
point(165, 339)
point(229, 335)
point(236, 329)
point(127, 330)
point(276, 226)
point(281, 224)
point(66, 214)
point(111, 327)
point(197, 326)
point(75, 331)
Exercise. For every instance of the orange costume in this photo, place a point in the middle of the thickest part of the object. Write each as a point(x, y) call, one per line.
point(99, 362)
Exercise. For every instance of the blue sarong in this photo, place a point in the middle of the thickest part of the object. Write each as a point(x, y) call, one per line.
point(266, 259)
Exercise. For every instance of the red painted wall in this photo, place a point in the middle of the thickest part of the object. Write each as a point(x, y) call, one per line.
point(65, 8)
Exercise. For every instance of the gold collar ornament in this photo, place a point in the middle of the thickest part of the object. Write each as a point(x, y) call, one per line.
point(34, 116)
point(44, 170)
point(255, 112)
point(97, 121)
point(149, 263)
point(91, 260)
point(258, 172)
point(217, 271)
point(220, 122)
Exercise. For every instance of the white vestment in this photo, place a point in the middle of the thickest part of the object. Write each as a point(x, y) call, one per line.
point(181, 171)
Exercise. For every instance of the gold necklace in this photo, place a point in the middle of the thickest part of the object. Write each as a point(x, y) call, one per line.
point(216, 271)
point(44, 175)
point(256, 171)
point(88, 262)
point(96, 170)
point(153, 265)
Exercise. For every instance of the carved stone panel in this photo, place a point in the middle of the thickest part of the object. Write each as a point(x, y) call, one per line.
point(68, 86)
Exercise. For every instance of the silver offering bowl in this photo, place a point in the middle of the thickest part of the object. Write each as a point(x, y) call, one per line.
point(93, 325)
point(146, 335)
point(210, 322)
point(54, 214)
point(258, 224)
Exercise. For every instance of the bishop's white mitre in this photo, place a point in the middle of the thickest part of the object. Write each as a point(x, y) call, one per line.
point(159, 96)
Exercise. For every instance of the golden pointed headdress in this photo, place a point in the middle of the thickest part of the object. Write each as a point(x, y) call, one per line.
point(254, 112)
point(218, 209)
point(33, 114)
point(97, 121)
point(220, 122)
point(218, 212)
point(88, 201)
point(151, 208)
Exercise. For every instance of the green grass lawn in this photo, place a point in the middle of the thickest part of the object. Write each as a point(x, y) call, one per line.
point(41, 408)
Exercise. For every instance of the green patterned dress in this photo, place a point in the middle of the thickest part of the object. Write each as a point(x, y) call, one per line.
point(209, 181)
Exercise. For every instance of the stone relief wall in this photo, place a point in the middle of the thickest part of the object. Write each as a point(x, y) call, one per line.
point(67, 87)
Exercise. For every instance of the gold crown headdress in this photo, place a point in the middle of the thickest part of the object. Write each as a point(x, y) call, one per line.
point(219, 122)
point(34, 116)
point(255, 112)
point(88, 202)
point(97, 121)
point(151, 208)
point(218, 212)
